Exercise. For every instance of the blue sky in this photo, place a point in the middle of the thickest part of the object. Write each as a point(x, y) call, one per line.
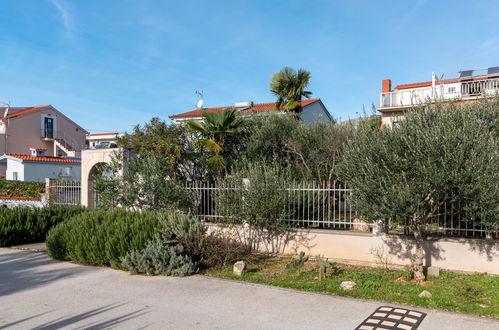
point(112, 64)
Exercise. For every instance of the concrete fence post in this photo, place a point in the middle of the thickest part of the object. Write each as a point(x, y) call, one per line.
point(46, 198)
point(377, 228)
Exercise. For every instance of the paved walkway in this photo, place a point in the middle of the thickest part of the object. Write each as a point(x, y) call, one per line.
point(37, 292)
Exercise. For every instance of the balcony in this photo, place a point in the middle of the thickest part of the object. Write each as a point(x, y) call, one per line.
point(453, 90)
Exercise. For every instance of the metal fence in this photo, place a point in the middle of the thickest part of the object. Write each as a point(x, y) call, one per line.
point(314, 205)
point(308, 205)
point(64, 192)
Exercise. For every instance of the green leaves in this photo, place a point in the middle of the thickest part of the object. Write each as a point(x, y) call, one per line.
point(289, 87)
point(21, 188)
point(102, 237)
point(23, 225)
point(217, 131)
point(443, 155)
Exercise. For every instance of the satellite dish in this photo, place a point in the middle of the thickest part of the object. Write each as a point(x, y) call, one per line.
point(199, 105)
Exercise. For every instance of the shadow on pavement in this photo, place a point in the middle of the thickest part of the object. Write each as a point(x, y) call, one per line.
point(23, 270)
point(69, 321)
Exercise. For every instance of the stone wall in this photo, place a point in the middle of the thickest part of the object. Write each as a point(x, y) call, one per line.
point(20, 201)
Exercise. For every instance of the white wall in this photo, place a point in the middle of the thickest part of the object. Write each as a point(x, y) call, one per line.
point(314, 112)
point(14, 166)
point(39, 171)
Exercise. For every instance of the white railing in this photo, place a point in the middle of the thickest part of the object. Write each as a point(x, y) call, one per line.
point(65, 139)
point(309, 205)
point(441, 92)
point(64, 192)
point(315, 205)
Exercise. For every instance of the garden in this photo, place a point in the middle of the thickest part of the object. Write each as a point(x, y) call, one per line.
point(151, 218)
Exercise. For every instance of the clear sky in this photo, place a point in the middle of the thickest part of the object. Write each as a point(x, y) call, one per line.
point(109, 65)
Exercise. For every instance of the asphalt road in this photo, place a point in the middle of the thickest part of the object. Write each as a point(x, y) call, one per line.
point(37, 292)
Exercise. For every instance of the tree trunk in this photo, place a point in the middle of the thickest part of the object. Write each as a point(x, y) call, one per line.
point(418, 259)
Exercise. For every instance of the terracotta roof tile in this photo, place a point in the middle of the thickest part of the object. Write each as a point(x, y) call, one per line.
point(256, 107)
point(100, 134)
point(49, 159)
point(18, 111)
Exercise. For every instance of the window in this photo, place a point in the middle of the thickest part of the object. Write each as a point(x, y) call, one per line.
point(451, 90)
point(14, 176)
point(64, 172)
point(49, 127)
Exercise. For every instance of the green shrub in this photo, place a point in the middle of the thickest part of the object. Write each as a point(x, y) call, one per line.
point(186, 231)
point(21, 188)
point(256, 194)
point(160, 258)
point(182, 245)
point(23, 225)
point(102, 237)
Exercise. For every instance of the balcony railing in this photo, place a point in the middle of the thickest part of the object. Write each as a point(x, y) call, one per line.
point(63, 138)
point(443, 92)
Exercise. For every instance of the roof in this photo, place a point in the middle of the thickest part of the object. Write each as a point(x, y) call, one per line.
point(19, 111)
point(428, 83)
point(256, 107)
point(102, 134)
point(49, 159)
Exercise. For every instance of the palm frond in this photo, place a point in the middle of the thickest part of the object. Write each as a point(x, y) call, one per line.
point(216, 163)
point(196, 125)
point(211, 145)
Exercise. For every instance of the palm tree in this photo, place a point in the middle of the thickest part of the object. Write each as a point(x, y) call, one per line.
point(215, 129)
point(289, 87)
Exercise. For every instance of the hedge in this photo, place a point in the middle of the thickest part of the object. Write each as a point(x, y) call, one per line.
point(21, 188)
point(23, 225)
point(102, 237)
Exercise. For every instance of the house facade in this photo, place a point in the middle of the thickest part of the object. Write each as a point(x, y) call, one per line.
point(462, 86)
point(37, 166)
point(22, 128)
point(313, 110)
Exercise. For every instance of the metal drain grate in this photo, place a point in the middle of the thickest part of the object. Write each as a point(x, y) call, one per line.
point(392, 318)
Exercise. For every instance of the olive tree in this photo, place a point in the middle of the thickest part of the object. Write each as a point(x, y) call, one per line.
point(439, 154)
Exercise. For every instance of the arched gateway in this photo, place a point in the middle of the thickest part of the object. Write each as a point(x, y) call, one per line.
point(90, 161)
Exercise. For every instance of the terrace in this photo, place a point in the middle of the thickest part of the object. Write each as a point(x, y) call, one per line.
point(468, 85)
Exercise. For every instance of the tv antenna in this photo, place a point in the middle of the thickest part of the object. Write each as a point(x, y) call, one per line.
point(199, 104)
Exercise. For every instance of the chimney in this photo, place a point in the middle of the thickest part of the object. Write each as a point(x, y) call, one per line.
point(37, 152)
point(386, 86)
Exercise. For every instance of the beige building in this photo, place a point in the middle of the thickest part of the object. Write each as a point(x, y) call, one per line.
point(44, 127)
point(465, 86)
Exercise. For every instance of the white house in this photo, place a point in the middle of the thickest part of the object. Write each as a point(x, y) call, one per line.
point(102, 140)
point(462, 86)
point(312, 110)
point(37, 166)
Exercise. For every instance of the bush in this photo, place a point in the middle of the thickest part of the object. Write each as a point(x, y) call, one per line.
point(256, 195)
point(102, 237)
point(21, 188)
point(23, 225)
point(220, 250)
point(442, 157)
point(141, 182)
point(182, 246)
point(160, 258)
